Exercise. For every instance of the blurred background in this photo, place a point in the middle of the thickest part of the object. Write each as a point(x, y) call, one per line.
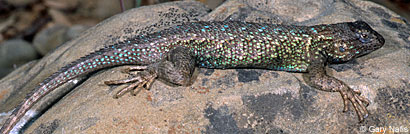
point(29, 29)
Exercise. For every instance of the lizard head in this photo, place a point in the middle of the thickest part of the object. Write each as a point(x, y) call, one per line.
point(354, 39)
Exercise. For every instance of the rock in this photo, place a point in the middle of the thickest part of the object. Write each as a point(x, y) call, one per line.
point(14, 53)
point(62, 4)
point(20, 2)
point(234, 100)
point(5, 70)
point(50, 38)
point(59, 17)
point(98, 8)
point(75, 31)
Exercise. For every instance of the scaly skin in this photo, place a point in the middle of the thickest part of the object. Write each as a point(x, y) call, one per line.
point(173, 54)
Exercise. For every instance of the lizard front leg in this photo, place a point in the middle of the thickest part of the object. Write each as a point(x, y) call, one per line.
point(177, 68)
point(317, 78)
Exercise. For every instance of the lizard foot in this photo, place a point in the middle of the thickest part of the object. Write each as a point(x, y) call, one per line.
point(141, 80)
point(359, 102)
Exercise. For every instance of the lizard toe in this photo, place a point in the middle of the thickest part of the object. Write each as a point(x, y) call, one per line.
point(359, 103)
point(126, 89)
point(123, 81)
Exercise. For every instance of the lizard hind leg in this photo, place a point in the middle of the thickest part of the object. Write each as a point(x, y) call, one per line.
point(177, 68)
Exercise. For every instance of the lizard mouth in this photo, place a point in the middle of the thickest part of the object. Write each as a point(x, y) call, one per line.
point(375, 44)
point(380, 40)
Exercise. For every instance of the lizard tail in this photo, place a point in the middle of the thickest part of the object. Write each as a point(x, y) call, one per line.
point(107, 57)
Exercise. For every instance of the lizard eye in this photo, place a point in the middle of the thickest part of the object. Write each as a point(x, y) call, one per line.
point(363, 37)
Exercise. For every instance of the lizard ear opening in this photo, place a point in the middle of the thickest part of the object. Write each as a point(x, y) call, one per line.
point(342, 49)
point(340, 52)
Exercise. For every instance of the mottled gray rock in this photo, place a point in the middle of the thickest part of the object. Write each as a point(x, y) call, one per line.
point(101, 9)
point(50, 38)
point(14, 53)
point(75, 31)
point(235, 100)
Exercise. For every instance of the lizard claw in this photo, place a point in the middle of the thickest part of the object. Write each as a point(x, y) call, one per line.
point(142, 80)
point(359, 103)
point(357, 92)
point(144, 84)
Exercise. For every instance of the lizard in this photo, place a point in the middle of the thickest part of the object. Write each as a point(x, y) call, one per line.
point(173, 54)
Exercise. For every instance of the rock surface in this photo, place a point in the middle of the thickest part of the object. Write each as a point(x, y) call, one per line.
point(75, 31)
point(227, 101)
point(50, 38)
point(13, 54)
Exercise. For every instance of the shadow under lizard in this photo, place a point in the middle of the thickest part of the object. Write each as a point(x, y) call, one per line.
point(173, 54)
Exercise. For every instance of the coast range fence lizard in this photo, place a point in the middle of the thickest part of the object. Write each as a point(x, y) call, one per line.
point(173, 54)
